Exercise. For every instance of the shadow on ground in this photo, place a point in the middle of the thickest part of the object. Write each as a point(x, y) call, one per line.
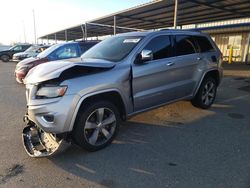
point(174, 146)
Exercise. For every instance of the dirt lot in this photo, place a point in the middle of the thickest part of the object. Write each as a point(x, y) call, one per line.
point(173, 146)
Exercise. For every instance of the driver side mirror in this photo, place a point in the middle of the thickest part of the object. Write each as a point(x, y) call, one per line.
point(145, 55)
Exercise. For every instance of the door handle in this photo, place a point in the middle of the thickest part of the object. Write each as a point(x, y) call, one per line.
point(199, 58)
point(170, 64)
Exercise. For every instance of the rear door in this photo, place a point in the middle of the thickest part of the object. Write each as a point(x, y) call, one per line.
point(207, 51)
point(187, 62)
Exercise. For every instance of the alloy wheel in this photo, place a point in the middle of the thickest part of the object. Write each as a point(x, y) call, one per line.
point(100, 126)
point(208, 93)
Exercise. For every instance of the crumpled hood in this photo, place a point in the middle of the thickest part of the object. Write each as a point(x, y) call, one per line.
point(53, 69)
point(27, 61)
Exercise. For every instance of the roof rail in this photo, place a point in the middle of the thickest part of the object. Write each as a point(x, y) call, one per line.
point(193, 30)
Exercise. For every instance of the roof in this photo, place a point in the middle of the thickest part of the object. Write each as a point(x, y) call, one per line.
point(159, 14)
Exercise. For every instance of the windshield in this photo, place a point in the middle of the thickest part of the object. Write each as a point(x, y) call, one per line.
point(46, 52)
point(112, 49)
point(11, 48)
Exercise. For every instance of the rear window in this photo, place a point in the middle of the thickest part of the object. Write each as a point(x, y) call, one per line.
point(204, 44)
point(184, 45)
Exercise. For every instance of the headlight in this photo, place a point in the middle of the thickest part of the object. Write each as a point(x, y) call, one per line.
point(51, 92)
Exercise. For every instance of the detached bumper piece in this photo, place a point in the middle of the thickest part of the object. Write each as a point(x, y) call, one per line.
point(38, 143)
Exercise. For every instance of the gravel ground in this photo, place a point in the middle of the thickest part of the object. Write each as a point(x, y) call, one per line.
point(174, 146)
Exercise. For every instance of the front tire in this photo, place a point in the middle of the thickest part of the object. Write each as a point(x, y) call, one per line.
point(96, 126)
point(5, 58)
point(206, 94)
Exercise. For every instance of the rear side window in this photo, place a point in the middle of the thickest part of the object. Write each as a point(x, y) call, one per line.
point(85, 47)
point(161, 47)
point(204, 44)
point(184, 45)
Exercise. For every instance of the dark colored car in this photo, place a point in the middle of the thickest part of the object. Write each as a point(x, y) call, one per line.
point(6, 55)
point(32, 51)
point(56, 52)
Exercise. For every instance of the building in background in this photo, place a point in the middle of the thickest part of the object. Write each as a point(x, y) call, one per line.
point(227, 34)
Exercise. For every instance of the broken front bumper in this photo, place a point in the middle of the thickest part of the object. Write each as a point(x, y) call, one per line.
point(38, 143)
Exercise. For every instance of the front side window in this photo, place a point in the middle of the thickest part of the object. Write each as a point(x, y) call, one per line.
point(49, 51)
point(64, 52)
point(160, 46)
point(204, 44)
point(25, 47)
point(68, 51)
point(113, 49)
point(184, 45)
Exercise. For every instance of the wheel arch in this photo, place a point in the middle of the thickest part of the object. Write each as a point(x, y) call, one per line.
point(112, 95)
point(5, 55)
point(213, 73)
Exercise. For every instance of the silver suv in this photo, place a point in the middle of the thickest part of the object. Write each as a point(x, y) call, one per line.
point(83, 100)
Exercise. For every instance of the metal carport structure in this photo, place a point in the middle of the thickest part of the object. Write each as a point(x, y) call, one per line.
point(84, 31)
point(155, 15)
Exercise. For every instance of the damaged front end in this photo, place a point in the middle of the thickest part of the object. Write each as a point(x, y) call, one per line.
point(38, 143)
point(51, 103)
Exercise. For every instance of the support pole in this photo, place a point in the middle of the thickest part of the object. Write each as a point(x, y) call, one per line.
point(34, 22)
point(176, 14)
point(66, 35)
point(114, 25)
point(86, 31)
point(246, 52)
point(83, 32)
point(55, 39)
point(230, 58)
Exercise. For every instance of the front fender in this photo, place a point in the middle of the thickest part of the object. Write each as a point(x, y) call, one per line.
point(83, 98)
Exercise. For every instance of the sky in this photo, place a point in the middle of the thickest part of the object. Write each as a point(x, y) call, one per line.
point(16, 16)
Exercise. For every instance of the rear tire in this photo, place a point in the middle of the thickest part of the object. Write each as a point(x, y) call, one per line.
point(96, 125)
point(206, 94)
point(5, 58)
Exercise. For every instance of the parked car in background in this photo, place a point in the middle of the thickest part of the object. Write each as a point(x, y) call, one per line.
point(83, 100)
point(6, 55)
point(53, 53)
point(32, 51)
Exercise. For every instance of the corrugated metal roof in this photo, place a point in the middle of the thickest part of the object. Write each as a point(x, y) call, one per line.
point(160, 14)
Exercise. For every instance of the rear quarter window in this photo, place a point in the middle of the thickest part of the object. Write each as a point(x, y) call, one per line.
point(204, 44)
